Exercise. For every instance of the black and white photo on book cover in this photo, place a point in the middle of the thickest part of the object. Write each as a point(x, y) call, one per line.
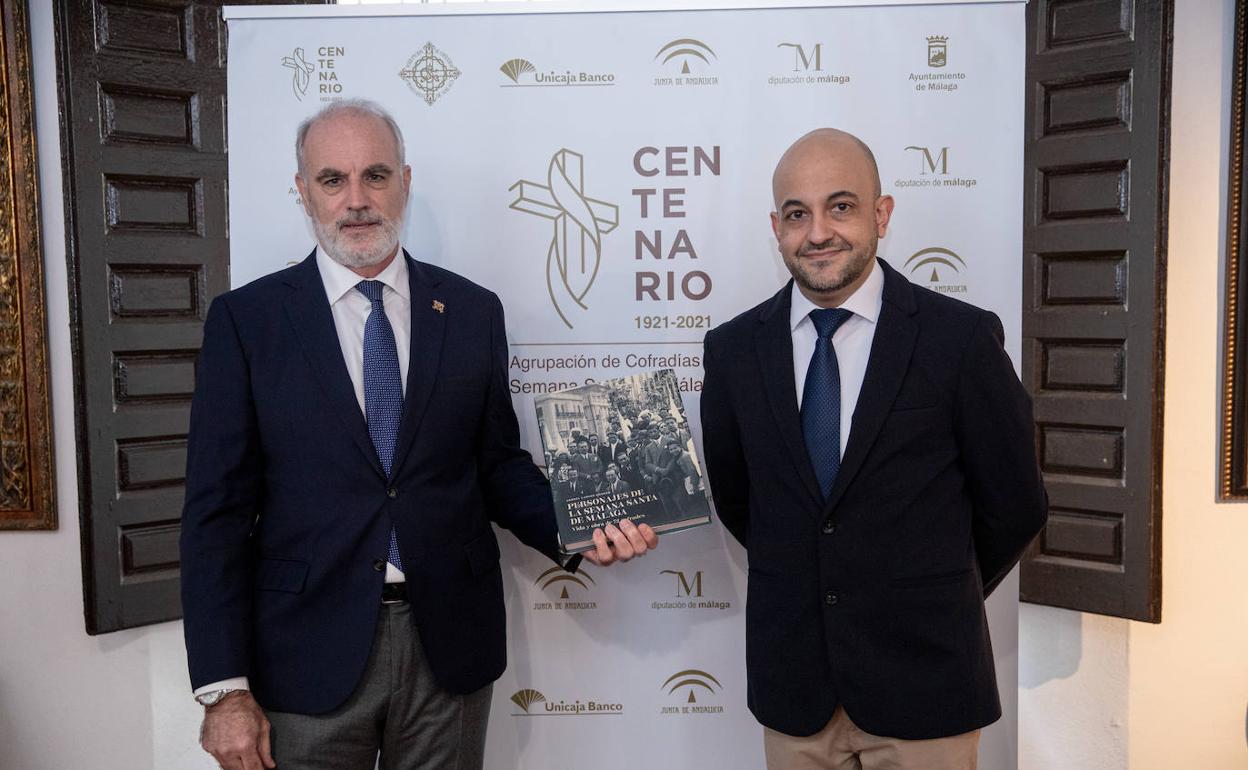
point(621, 449)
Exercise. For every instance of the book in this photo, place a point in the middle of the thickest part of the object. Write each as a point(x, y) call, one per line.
point(621, 449)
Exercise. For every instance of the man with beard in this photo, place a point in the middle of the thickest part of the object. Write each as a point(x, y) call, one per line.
point(868, 443)
point(352, 439)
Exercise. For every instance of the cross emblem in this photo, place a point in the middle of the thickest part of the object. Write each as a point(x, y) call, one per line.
point(579, 222)
point(430, 73)
point(302, 74)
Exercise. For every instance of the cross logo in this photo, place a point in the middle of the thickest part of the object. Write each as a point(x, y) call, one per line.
point(579, 222)
point(301, 74)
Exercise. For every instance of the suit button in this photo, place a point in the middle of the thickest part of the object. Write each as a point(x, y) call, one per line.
point(829, 527)
point(392, 493)
point(379, 565)
point(830, 598)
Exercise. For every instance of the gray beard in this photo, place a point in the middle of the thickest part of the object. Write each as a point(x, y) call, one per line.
point(366, 255)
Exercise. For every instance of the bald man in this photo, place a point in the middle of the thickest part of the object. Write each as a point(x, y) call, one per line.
point(882, 488)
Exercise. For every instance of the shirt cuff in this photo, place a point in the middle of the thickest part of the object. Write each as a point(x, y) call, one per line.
point(233, 683)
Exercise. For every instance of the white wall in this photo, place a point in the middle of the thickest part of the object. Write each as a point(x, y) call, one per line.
point(1105, 693)
point(1189, 676)
point(1072, 690)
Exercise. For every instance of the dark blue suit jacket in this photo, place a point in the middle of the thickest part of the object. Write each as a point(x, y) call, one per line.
point(873, 599)
point(288, 513)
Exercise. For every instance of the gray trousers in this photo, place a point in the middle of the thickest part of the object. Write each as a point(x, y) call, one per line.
point(397, 711)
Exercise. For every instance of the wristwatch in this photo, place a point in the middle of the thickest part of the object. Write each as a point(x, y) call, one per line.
point(213, 697)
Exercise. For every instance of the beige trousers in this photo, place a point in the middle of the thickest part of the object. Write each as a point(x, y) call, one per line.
point(841, 745)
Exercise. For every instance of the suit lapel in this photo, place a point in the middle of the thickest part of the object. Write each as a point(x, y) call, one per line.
point(895, 333)
point(428, 333)
point(774, 341)
point(307, 307)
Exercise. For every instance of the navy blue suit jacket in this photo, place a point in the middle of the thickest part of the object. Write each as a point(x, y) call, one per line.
point(288, 513)
point(873, 599)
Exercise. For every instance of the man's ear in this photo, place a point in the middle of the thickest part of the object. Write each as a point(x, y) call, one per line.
point(883, 213)
point(303, 193)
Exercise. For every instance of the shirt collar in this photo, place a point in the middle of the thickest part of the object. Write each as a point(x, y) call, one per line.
point(865, 302)
point(339, 279)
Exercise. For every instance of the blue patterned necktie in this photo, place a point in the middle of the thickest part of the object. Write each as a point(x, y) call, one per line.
point(383, 387)
point(821, 399)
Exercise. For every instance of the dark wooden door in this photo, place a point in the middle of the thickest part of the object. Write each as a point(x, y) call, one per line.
point(1098, 79)
point(142, 88)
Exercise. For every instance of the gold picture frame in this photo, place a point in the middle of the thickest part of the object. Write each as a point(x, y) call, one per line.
point(1233, 479)
point(27, 481)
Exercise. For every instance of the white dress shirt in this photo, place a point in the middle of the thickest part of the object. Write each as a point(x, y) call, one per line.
point(350, 310)
point(852, 341)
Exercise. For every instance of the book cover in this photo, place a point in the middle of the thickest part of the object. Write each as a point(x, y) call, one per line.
point(621, 449)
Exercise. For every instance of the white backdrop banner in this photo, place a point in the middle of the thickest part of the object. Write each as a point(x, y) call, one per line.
point(608, 175)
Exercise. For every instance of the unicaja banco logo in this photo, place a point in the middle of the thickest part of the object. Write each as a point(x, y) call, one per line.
point(803, 60)
point(430, 73)
point(524, 74)
point(514, 68)
point(938, 258)
point(579, 222)
point(683, 50)
point(693, 679)
point(527, 697)
point(937, 50)
point(301, 75)
point(561, 577)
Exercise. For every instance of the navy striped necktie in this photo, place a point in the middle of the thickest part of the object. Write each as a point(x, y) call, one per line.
point(383, 387)
point(821, 399)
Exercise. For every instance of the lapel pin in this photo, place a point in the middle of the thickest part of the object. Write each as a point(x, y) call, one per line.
point(438, 306)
